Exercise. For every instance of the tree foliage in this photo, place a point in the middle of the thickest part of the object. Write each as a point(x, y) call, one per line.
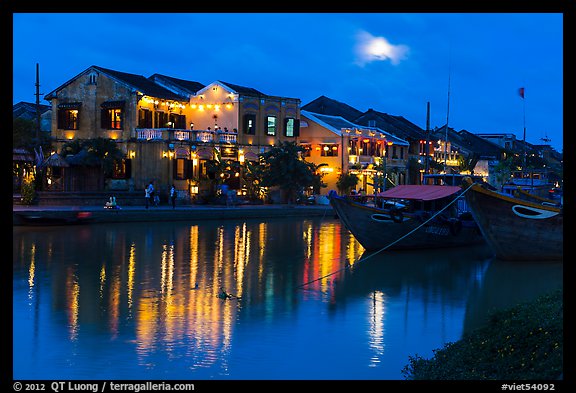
point(24, 135)
point(346, 182)
point(285, 168)
point(96, 151)
point(468, 163)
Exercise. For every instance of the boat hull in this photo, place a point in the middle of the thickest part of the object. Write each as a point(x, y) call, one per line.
point(516, 229)
point(376, 230)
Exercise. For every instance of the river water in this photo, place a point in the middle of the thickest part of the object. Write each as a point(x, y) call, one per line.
point(140, 301)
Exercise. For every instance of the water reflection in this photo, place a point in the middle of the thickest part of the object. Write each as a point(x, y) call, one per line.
point(507, 283)
point(140, 301)
point(423, 288)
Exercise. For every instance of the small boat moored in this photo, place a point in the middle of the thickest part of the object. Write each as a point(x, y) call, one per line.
point(517, 229)
point(434, 217)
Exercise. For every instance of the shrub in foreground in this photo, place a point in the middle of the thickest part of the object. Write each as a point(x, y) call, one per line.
point(524, 342)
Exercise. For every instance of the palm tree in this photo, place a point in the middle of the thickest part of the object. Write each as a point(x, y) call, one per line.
point(252, 177)
point(468, 163)
point(220, 170)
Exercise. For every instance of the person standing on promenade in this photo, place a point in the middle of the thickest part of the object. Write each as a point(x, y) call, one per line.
point(173, 196)
point(148, 195)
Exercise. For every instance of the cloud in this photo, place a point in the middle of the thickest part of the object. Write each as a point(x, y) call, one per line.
point(370, 48)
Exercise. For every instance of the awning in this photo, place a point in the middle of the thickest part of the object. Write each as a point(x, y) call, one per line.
point(251, 156)
point(55, 160)
point(419, 192)
point(70, 105)
point(22, 155)
point(112, 104)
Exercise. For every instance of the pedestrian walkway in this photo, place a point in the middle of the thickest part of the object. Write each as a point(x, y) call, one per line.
point(100, 214)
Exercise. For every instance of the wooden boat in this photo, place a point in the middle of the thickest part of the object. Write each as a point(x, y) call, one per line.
point(433, 218)
point(516, 229)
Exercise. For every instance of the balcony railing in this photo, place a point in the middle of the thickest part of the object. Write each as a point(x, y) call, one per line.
point(170, 134)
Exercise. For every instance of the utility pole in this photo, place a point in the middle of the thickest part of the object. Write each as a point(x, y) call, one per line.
point(38, 94)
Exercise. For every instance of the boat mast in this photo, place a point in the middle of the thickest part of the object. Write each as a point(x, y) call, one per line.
point(447, 116)
point(522, 94)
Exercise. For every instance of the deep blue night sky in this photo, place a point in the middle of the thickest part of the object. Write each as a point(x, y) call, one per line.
point(391, 62)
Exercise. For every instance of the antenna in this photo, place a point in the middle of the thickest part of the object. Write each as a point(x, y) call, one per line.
point(546, 139)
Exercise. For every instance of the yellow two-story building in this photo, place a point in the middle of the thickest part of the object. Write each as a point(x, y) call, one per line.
point(168, 128)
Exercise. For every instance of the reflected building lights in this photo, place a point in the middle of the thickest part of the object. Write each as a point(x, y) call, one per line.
point(193, 239)
point(131, 272)
point(114, 301)
point(261, 249)
point(32, 272)
point(241, 255)
point(72, 297)
point(377, 316)
point(102, 280)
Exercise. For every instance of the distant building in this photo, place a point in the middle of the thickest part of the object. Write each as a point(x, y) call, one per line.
point(420, 147)
point(27, 111)
point(347, 147)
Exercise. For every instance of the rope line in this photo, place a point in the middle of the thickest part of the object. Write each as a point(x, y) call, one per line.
point(389, 245)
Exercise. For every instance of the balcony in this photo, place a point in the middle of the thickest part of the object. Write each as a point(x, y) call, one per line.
point(175, 134)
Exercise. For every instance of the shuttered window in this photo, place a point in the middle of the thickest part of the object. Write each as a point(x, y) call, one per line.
point(160, 120)
point(68, 119)
point(249, 124)
point(291, 127)
point(271, 125)
point(144, 118)
point(112, 115)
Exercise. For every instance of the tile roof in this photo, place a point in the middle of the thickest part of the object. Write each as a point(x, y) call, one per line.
point(27, 110)
point(190, 87)
point(396, 125)
point(328, 106)
point(337, 123)
point(137, 82)
point(243, 90)
point(142, 84)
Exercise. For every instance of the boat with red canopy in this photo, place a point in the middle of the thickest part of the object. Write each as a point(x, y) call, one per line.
point(430, 216)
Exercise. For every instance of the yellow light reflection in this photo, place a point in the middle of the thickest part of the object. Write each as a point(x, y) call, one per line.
point(72, 296)
point(261, 248)
point(102, 280)
point(131, 271)
point(31, 271)
point(114, 300)
point(194, 249)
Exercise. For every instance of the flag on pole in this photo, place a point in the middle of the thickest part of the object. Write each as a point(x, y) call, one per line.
point(521, 91)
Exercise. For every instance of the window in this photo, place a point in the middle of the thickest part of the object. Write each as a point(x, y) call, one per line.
point(160, 120)
point(291, 127)
point(144, 118)
point(182, 169)
point(112, 119)
point(307, 149)
point(68, 115)
point(178, 121)
point(329, 150)
point(112, 115)
point(372, 123)
point(122, 169)
point(68, 119)
point(249, 124)
point(270, 125)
